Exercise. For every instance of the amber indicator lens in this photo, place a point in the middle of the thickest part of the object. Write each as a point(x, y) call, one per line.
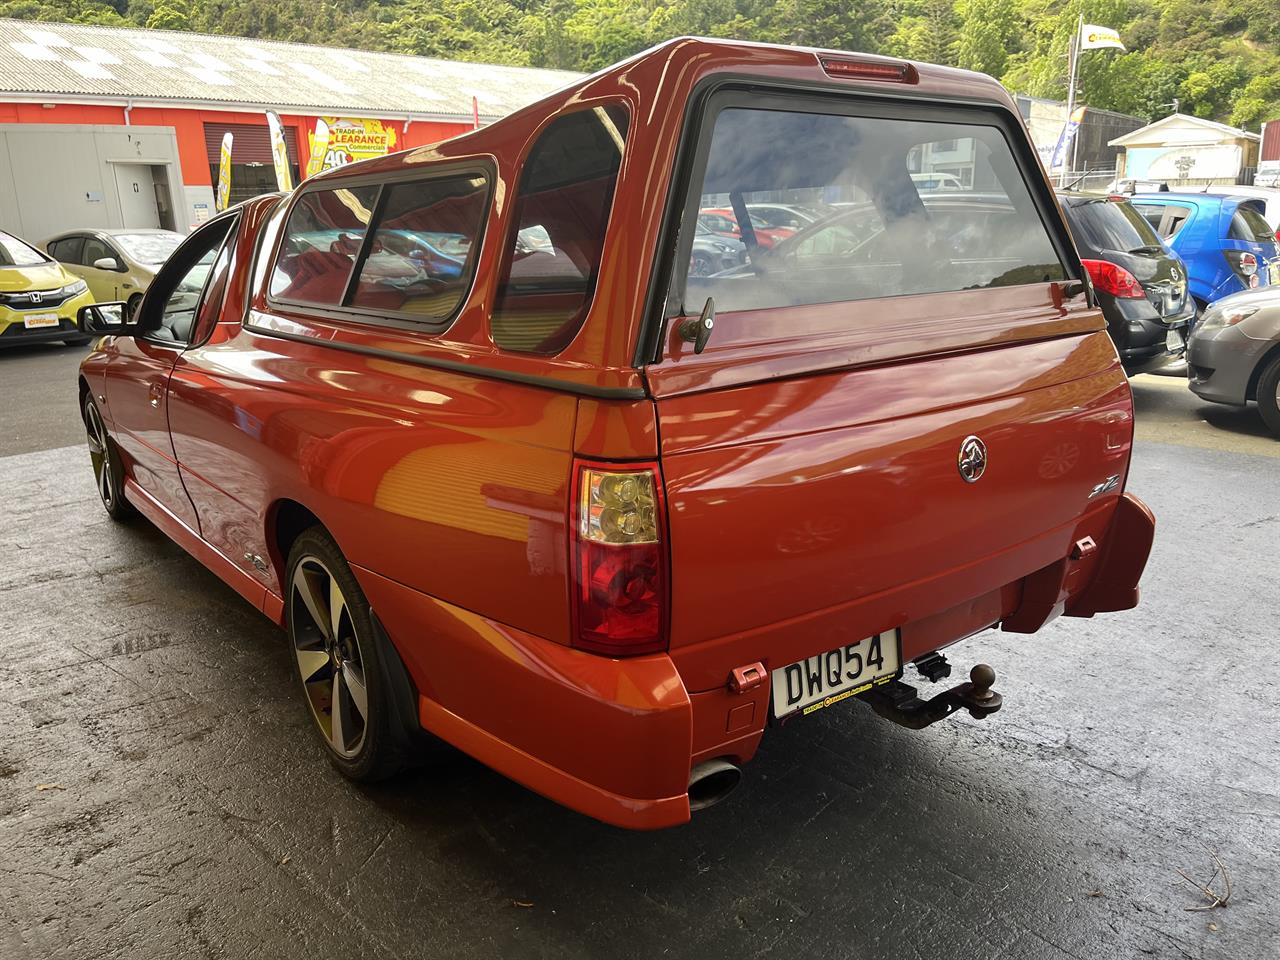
point(894, 72)
point(618, 507)
point(620, 565)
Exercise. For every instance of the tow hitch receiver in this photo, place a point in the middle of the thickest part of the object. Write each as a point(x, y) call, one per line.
point(897, 701)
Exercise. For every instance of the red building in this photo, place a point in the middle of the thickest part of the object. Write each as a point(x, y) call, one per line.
point(110, 127)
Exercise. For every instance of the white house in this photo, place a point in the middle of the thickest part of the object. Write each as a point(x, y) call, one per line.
point(1186, 151)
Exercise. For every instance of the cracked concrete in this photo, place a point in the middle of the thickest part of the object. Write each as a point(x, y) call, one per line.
point(187, 809)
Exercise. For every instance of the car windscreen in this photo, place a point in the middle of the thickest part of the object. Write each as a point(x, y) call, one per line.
point(149, 248)
point(885, 235)
point(15, 253)
point(1111, 225)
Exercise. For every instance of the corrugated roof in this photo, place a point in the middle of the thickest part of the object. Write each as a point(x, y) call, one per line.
point(82, 61)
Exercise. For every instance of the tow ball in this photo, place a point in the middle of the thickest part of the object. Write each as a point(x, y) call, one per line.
point(897, 701)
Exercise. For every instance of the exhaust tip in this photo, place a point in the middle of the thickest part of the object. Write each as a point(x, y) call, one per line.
point(711, 782)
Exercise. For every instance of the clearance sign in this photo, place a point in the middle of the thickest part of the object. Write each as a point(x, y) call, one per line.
point(338, 140)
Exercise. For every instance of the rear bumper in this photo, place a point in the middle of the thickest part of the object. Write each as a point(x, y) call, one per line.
point(616, 739)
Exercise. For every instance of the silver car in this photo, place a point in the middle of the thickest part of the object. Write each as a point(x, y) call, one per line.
point(1234, 352)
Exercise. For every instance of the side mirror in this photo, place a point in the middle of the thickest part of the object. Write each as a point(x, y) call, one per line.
point(106, 263)
point(104, 319)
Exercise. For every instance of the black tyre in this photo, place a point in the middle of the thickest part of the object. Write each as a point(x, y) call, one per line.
point(1269, 396)
point(336, 653)
point(108, 471)
point(131, 307)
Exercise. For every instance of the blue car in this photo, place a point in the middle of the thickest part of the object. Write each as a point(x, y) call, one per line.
point(1225, 241)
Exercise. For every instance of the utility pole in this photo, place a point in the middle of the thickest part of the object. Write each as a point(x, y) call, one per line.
point(1071, 99)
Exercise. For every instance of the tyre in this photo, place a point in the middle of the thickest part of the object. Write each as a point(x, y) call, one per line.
point(331, 634)
point(76, 341)
point(700, 265)
point(131, 307)
point(1269, 396)
point(108, 471)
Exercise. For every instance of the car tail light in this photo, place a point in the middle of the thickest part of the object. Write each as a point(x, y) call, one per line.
point(1114, 279)
point(620, 559)
point(1242, 262)
point(892, 71)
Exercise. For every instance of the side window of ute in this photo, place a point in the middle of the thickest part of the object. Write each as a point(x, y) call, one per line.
point(195, 275)
point(561, 213)
point(322, 240)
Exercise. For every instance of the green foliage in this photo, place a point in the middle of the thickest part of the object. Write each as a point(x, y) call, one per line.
point(1217, 58)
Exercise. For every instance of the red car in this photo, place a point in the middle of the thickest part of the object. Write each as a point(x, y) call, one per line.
point(596, 521)
point(725, 223)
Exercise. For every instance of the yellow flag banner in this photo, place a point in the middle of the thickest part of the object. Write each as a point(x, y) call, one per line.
point(1094, 37)
point(347, 140)
point(223, 197)
point(319, 148)
point(279, 152)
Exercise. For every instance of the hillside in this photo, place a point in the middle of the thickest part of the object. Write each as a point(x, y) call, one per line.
point(1218, 58)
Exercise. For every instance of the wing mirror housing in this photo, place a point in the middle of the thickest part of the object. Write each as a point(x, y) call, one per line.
point(105, 319)
point(106, 263)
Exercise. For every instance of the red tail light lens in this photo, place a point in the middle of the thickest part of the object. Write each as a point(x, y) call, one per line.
point(1242, 262)
point(892, 71)
point(1114, 279)
point(620, 559)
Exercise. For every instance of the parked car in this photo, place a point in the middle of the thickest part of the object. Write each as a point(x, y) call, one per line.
point(117, 264)
point(1225, 242)
point(1234, 353)
point(602, 522)
point(39, 300)
point(791, 216)
point(712, 253)
point(1141, 286)
point(725, 223)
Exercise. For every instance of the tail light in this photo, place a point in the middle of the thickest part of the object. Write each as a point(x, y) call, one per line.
point(620, 559)
point(1242, 262)
point(1114, 279)
point(894, 71)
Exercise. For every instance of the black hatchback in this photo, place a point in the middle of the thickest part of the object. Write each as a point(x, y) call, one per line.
point(1141, 285)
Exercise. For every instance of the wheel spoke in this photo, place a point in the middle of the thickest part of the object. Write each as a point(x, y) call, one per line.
point(311, 662)
point(309, 585)
point(337, 607)
point(338, 717)
point(353, 680)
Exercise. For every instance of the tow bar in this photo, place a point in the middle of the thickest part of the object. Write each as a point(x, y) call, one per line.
point(897, 701)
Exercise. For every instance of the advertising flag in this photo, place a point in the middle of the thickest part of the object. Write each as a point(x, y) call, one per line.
point(279, 152)
point(1062, 149)
point(1094, 37)
point(223, 196)
point(319, 148)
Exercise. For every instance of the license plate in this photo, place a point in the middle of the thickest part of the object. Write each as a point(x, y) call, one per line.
point(836, 675)
point(1173, 341)
point(33, 321)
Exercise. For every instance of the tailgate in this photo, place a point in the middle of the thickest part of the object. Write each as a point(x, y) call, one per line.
point(811, 512)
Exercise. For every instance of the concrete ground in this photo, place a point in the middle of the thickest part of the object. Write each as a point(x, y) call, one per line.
point(162, 795)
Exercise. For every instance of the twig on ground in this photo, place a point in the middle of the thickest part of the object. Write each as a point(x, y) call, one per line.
point(1215, 899)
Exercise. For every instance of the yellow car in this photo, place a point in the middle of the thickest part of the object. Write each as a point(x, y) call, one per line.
point(117, 264)
point(39, 299)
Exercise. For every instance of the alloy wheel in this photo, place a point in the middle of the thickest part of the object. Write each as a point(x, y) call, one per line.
point(330, 660)
point(100, 454)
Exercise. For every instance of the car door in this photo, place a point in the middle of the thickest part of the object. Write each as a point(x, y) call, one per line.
point(139, 367)
point(105, 283)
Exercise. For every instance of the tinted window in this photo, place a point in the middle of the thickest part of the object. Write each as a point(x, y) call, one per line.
point(176, 293)
point(1166, 218)
point(67, 250)
point(95, 249)
point(420, 258)
point(324, 234)
point(1110, 225)
point(907, 207)
point(15, 253)
point(1248, 224)
point(562, 210)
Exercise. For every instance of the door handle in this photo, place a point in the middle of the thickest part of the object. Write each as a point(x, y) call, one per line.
point(155, 393)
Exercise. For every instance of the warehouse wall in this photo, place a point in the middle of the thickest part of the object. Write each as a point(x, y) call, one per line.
point(56, 177)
